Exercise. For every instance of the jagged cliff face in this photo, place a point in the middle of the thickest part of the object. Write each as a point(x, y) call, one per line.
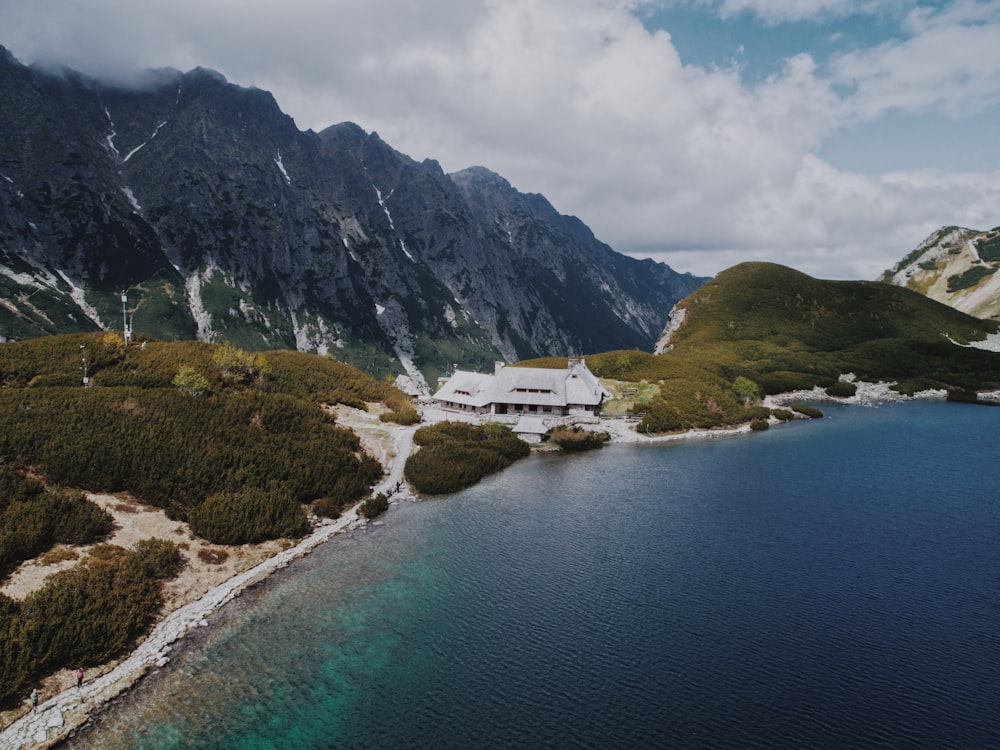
point(957, 267)
point(225, 222)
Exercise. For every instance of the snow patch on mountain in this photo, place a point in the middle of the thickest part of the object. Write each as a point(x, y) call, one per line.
point(990, 344)
point(416, 377)
point(79, 297)
point(109, 139)
point(21, 279)
point(132, 153)
point(127, 191)
point(202, 318)
point(281, 167)
point(392, 224)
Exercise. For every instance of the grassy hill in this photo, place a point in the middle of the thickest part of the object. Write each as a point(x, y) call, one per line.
point(782, 330)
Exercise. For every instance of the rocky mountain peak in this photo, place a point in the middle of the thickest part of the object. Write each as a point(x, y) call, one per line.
point(226, 222)
point(956, 266)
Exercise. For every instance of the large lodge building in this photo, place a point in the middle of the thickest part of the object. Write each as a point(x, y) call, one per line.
point(525, 391)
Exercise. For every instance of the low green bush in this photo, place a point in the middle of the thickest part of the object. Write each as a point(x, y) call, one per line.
point(247, 517)
point(963, 396)
point(783, 414)
point(403, 414)
point(455, 455)
point(87, 615)
point(807, 411)
point(841, 389)
point(33, 519)
point(783, 381)
point(759, 425)
point(374, 507)
point(969, 278)
point(578, 439)
point(757, 412)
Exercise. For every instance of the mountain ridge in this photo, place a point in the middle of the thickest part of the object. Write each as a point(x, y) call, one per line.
point(224, 221)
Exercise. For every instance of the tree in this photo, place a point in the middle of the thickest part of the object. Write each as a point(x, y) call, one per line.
point(190, 381)
point(746, 389)
point(239, 366)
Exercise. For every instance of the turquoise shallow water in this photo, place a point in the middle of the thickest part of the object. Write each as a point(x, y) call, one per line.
point(826, 584)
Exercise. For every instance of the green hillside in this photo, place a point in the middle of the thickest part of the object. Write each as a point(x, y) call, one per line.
point(235, 443)
point(783, 330)
point(175, 424)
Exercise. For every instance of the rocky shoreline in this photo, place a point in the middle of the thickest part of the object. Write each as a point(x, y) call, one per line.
point(58, 716)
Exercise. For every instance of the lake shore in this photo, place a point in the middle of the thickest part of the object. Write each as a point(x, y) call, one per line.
point(70, 708)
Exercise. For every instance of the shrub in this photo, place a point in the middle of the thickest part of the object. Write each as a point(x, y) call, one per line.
point(327, 507)
point(963, 396)
point(214, 556)
point(808, 411)
point(969, 278)
point(190, 381)
point(757, 412)
point(759, 425)
point(841, 389)
point(87, 615)
point(251, 516)
point(578, 439)
point(989, 247)
point(158, 558)
point(373, 507)
point(403, 414)
point(454, 455)
point(238, 366)
point(783, 414)
point(40, 519)
point(57, 555)
point(783, 381)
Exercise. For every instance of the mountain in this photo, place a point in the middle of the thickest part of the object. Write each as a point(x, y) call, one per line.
point(955, 266)
point(223, 221)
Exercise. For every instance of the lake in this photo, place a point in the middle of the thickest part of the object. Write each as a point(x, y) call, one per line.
point(828, 583)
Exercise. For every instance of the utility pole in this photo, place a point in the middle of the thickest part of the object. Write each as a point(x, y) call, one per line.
point(126, 328)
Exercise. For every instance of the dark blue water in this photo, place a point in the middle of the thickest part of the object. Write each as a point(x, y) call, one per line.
point(825, 584)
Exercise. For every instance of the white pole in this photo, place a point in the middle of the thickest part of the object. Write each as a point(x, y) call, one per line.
point(126, 331)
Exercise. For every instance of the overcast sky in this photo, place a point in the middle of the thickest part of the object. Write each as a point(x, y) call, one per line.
point(829, 135)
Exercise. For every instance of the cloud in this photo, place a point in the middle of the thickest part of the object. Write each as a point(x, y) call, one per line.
point(774, 12)
point(949, 65)
point(578, 100)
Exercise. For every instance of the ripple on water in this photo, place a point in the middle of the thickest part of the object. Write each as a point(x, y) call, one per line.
point(807, 587)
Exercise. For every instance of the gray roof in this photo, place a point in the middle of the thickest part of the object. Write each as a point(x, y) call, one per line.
point(574, 386)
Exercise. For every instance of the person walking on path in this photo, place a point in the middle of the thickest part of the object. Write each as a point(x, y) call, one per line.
point(35, 695)
point(79, 677)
